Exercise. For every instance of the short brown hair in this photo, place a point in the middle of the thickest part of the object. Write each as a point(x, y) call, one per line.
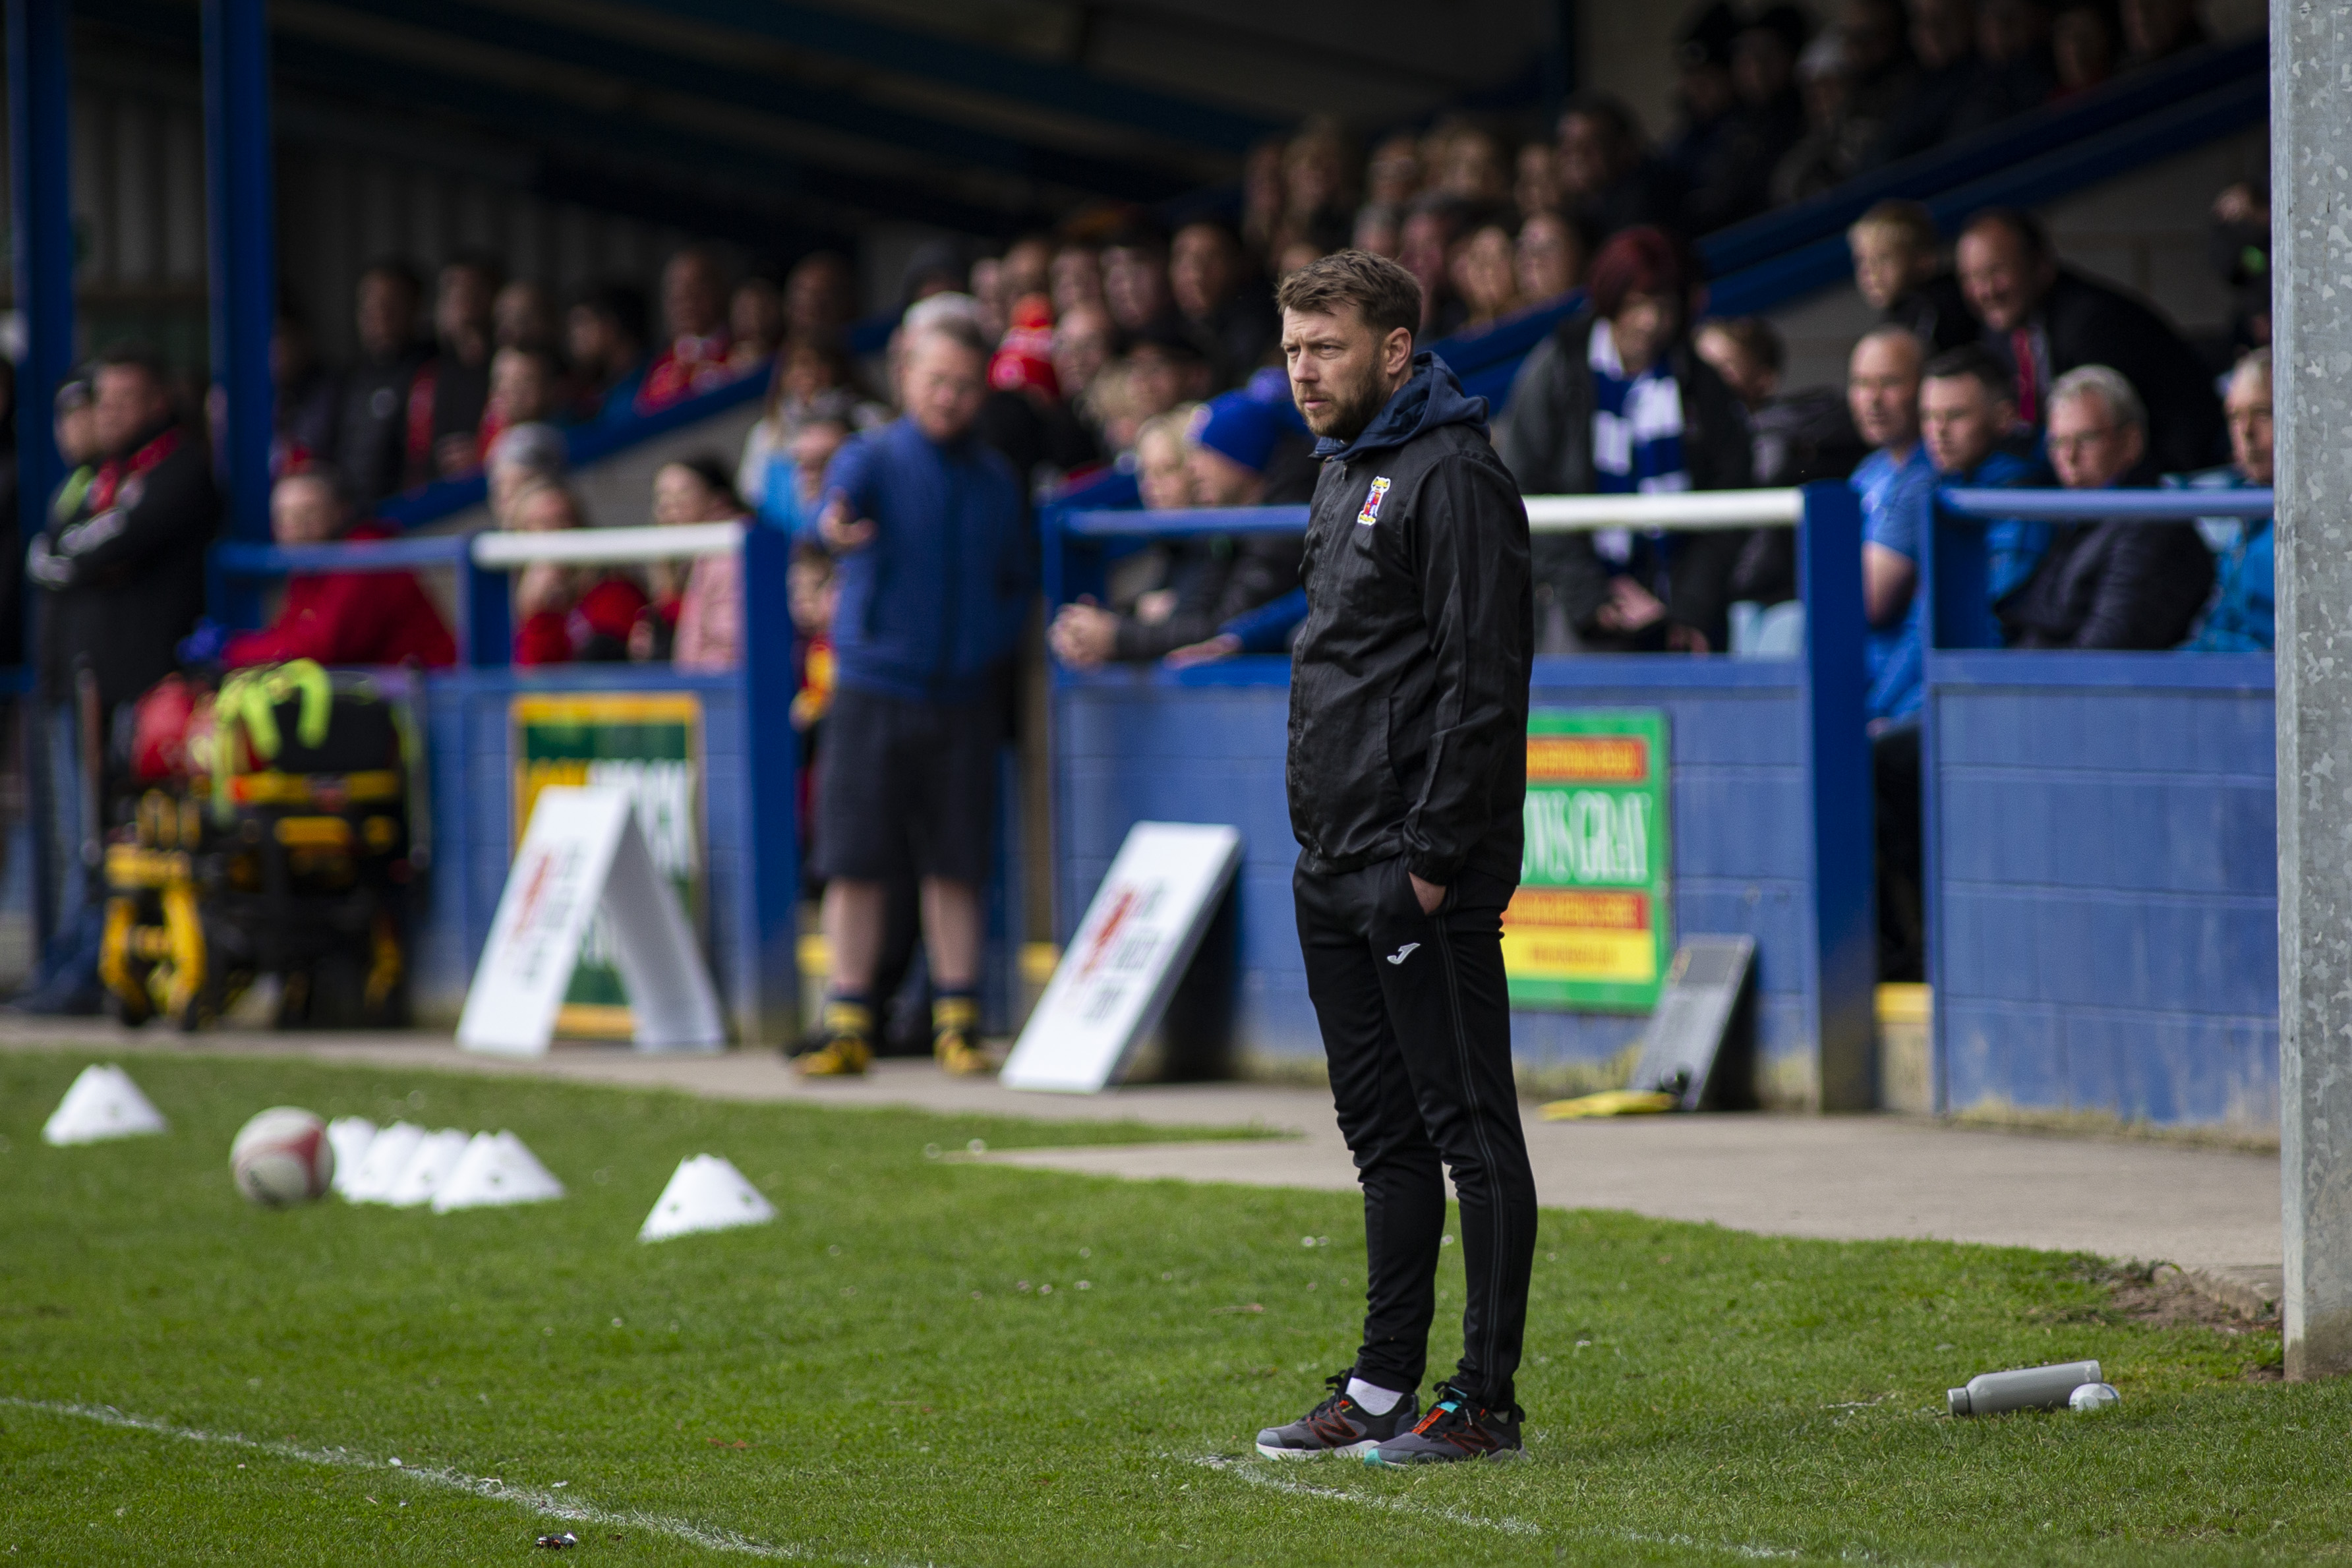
point(1386, 294)
point(1973, 361)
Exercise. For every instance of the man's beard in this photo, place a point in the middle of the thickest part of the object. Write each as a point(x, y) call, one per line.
point(1351, 410)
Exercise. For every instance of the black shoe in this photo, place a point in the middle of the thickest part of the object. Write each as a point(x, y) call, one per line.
point(1338, 1426)
point(1456, 1427)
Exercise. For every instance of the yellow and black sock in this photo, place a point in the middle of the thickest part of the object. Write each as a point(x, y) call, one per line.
point(850, 1014)
point(958, 1009)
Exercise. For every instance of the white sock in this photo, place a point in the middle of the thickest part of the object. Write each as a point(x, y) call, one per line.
point(1379, 1401)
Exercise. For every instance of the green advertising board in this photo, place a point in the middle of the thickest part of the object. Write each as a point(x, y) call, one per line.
point(1591, 927)
point(650, 746)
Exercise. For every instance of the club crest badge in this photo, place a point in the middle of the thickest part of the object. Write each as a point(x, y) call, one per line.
point(1373, 499)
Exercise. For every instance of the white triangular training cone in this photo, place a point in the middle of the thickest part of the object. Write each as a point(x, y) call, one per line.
point(495, 1169)
point(388, 1153)
point(436, 1155)
point(102, 1104)
point(706, 1194)
point(350, 1137)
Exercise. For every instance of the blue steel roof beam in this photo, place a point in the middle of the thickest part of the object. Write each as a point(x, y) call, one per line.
point(2121, 103)
point(2068, 167)
point(551, 120)
point(787, 100)
point(960, 63)
point(1029, 122)
point(803, 144)
point(555, 123)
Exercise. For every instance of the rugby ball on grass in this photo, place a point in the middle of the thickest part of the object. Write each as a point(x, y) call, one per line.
point(282, 1157)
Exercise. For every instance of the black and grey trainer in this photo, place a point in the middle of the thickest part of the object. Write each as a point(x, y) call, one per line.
point(1456, 1427)
point(1338, 1426)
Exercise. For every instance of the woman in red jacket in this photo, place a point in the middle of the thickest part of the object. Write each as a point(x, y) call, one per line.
point(340, 617)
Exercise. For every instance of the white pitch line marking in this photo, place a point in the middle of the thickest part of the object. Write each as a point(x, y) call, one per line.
point(1257, 1476)
point(547, 1504)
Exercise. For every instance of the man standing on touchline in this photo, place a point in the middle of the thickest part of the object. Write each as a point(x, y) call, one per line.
point(1407, 776)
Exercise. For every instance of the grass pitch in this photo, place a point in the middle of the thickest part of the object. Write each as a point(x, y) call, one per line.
point(884, 1377)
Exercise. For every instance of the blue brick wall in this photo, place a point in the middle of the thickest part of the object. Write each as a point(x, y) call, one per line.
point(1133, 746)
point(2104, 863)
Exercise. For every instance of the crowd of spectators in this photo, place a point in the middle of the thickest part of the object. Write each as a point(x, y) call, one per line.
point(2011, 370)
point(1770, 109)
point(1118, 344)
point(436, 383)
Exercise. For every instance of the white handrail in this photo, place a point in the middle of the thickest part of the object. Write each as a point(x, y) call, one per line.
point(1683, 510)
point(502, 550)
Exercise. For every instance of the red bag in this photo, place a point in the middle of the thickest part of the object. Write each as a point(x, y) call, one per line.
point(162, 721)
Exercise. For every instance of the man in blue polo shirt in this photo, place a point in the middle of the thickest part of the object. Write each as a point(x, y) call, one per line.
point(935, 577)
point(1968, 420)
point(1961, 430)
point(1896, 483)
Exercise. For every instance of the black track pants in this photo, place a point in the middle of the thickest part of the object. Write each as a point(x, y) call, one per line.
point(1417, 1029)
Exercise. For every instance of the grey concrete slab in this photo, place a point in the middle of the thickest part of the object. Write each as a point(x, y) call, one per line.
point(1841, 1177)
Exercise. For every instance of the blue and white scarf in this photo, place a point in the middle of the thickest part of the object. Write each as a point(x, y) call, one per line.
point(1637, 433)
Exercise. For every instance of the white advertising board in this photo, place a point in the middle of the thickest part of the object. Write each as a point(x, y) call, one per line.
point(583, 852)
point(1116, 977)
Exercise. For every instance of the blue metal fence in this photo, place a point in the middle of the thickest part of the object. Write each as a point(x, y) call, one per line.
point(1769, 801)
point(2100, 837)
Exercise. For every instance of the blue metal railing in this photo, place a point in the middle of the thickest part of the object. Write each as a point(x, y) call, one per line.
point(1956, 574)
point(2105, 505)
point(2095, 838)
point(485, 629)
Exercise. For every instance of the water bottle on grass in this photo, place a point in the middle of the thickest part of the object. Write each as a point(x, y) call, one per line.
point(2027, 1388)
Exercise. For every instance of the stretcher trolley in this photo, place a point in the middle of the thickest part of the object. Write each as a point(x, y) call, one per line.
point(266, 830)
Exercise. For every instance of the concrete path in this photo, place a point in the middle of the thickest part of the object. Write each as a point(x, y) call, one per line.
point(1844, 1177)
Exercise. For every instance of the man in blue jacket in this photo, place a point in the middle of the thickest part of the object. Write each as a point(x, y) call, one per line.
point(935, 577)
point(2241, 618)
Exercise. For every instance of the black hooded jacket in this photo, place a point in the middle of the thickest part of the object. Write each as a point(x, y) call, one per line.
point(1409, 679)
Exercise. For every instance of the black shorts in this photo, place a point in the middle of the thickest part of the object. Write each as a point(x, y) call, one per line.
point(906, 786)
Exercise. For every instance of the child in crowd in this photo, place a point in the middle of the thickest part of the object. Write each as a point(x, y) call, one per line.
point(710, 606)
point(812, 594)
point(566, 614)
point(1898, 265)
point(1117, 406)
